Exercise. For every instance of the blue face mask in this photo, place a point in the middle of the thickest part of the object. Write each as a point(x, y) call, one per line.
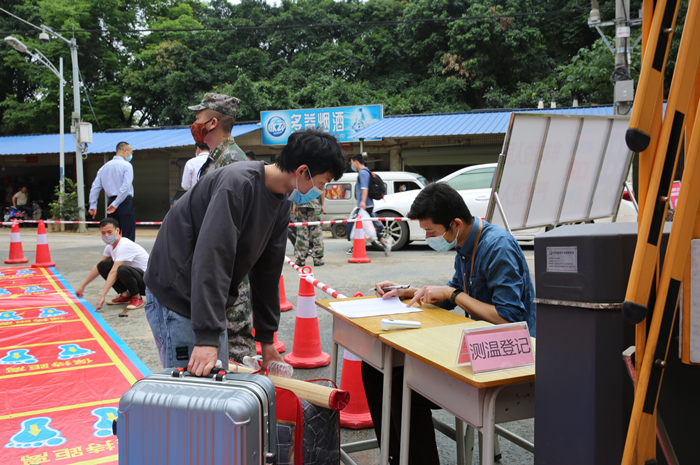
point(440, 243)
point(299, 198)
point(129, 157)
point(353, 167)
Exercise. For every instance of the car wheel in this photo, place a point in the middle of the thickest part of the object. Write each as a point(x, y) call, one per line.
point(397, 230)
point(339, 231)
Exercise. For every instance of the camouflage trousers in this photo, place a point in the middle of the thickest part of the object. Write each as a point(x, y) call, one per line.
point(239, 324)
point(308, 235)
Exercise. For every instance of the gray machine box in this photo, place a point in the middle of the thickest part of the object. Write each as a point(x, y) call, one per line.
point(585, 262)
point(584, 395)
point(166, 419)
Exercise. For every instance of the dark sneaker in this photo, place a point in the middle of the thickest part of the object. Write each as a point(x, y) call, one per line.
point(349, 251)
point(119, 300)
point(134, 303)
point(300, 263)
point(318, 263)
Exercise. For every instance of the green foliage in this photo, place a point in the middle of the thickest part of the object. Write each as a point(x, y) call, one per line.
point(66, 207)
point(149, 79)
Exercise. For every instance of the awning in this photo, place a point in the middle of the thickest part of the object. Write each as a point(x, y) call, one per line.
point(459, 124)
point(106, 142)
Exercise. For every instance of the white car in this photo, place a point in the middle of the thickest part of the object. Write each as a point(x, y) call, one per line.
point(474, 185)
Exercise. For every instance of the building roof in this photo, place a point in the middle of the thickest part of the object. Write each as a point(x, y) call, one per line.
point(106, 142)
point(458, 124)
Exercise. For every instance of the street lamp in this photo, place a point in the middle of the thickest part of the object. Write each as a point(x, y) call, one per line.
point(38, 56)
point(44, 37)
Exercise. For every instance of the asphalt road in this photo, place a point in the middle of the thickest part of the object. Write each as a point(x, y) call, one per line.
point(417, 264)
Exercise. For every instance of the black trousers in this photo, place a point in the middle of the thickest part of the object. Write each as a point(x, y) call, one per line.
point(126, 215)
point(128, 278)
point(26, 209)
point(422, 449)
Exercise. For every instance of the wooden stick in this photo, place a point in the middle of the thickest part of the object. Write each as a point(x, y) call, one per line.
point(322, 396)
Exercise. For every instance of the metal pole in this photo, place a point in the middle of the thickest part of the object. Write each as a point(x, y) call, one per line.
point(62, 157)
point(622, 15)
point(78, 152)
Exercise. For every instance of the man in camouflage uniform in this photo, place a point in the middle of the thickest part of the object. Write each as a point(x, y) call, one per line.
point(216, 114)
point(309, 234)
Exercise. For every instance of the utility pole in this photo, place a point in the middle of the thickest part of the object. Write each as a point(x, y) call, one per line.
point(624, 85)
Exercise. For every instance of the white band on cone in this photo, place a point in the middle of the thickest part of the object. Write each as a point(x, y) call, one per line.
point(41, 239)
point(15, 237)
point(349, 356)
point(359, 232)
point(306, 307)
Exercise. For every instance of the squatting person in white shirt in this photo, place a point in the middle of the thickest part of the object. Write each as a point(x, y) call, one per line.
point(122, 266)
point(190, 175)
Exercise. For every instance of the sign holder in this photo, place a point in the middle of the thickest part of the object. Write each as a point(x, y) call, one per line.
point(495, 348)
point(558, 169)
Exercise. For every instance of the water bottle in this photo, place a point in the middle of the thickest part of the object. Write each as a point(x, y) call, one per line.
point(280, 369)
point(254, 363)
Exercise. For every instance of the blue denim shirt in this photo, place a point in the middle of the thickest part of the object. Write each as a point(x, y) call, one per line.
point(501, 276)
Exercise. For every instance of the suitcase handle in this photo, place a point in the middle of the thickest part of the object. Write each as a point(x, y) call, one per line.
point(218, 374)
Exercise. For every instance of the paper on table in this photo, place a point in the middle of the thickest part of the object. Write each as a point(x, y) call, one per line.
point(372, 307)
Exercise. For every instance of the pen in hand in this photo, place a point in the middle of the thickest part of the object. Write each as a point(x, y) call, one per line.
point(390, 288)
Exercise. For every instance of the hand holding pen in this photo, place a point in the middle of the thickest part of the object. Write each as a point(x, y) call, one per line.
point(387, 289)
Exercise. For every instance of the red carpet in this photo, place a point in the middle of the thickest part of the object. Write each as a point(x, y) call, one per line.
point(62, 372)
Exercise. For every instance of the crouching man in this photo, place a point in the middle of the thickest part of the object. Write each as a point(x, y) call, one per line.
point(122, 266)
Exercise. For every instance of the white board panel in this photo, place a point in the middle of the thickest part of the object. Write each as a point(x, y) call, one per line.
point(517, 180)
point(612, 173)
point(553, 170)
point(539, 183)
point(584, 172)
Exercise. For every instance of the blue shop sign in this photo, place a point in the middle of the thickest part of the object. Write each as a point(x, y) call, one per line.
point(342, 122)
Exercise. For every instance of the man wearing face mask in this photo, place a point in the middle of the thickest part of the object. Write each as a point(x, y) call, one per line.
point(122, 266)
point(116, 177)
point(216, 114)
point(233, 224)
point(491, 282)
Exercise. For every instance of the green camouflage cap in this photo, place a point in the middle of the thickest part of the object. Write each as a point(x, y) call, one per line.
point(218, 102)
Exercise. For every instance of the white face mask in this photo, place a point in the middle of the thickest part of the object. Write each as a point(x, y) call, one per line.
point(109, 240)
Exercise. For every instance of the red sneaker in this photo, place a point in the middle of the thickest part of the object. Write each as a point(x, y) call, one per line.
point(134, 303)
point(119, 300)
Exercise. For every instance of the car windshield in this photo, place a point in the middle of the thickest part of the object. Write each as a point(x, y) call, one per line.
point(475, 179)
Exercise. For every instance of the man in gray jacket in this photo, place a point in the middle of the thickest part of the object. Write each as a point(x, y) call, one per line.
point(233, 223)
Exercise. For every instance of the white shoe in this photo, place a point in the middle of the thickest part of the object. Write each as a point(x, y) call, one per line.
point(386, 245)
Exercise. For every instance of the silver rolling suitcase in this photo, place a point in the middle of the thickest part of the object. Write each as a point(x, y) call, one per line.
point(173, 418)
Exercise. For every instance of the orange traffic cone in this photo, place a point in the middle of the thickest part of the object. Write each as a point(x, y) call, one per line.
point(356, 415)
point(279, 345)
point(306, 352)
point(16, 252)
point(359, 251)
point(284, 305)
point(43, 256)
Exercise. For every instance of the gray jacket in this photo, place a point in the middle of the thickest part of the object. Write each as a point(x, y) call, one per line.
point(226, 227)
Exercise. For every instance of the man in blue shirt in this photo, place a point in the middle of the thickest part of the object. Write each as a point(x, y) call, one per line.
point(364, 201)
point(116, 177)
point(491, 282)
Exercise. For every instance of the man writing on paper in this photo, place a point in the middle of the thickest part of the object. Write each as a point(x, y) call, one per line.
point(491, 282)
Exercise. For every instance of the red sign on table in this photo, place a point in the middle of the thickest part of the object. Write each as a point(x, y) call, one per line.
point(496, 348)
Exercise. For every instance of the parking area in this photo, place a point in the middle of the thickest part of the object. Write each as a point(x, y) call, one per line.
point(416, 264)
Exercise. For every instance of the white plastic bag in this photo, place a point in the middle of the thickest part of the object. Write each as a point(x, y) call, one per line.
point(367, 225)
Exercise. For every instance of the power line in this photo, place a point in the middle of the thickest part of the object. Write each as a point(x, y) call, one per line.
point(17, 17)
point(320, 25)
